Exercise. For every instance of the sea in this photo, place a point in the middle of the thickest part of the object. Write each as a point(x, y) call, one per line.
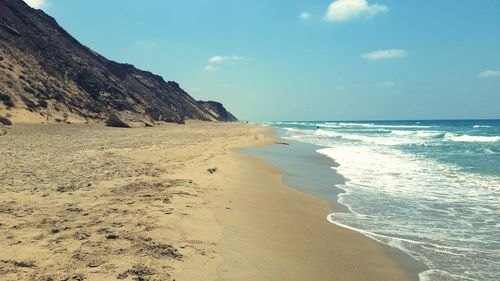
point(428, 188)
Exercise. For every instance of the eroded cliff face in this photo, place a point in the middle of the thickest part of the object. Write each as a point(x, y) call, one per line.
point(46, 74)
point(218, 111)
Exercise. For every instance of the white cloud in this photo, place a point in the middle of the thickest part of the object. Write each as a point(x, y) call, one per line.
point(344, 10)
point(212, 61)
point(37, 4)
point(489, 74)
point(210, 68)
point(305, 16)
point(218, 59)
point(385, 54)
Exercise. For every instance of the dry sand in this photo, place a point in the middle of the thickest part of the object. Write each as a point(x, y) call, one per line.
point(86, 202)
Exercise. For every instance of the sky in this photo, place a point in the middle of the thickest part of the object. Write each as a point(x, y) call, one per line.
point(307, 59)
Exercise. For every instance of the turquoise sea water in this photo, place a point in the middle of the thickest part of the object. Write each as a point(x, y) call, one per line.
point(429, 188)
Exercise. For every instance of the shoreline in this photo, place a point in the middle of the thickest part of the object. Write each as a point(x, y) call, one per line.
point(290, 238)
point(104, 203)
point(321, 183)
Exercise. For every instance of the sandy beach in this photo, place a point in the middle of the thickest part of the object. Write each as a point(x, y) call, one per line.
point(174, 202)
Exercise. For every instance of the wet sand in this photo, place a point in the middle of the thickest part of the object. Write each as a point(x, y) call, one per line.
point(87, 202)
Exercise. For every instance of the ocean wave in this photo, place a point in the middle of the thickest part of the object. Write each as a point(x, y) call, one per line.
point(436, 274)
point(330, 125)
point(295, 131)
point(422, 134)
point(469, 138)
point(489, 151)
point(325, 137)
point(285, 123)
point(384, 163)
point(394, 198)
point(395, 137)
point(372, 125)
point(402, 133)
point(434, 247)
point(426, 206)
point(326, 133)
point(379, 140)
point(378, 137)
point(362, 138)
point(403, 126)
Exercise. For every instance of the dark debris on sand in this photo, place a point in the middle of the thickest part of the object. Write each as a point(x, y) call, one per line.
point(139, 272)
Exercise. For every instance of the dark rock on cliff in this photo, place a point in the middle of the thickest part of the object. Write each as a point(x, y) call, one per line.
point(5, 121)
point(124, 119)
point(217, 110)
point(115, 121)
point(48, 74)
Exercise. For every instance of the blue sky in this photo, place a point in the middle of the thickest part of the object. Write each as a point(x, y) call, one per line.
point(307, 59)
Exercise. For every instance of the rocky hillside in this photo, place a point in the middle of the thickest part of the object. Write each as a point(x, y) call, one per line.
point(46, 74)
point(217, 109)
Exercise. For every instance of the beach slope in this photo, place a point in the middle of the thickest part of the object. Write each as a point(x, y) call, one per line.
point(171, 202)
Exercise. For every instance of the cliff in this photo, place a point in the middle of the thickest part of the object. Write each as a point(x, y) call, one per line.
point(46, 74)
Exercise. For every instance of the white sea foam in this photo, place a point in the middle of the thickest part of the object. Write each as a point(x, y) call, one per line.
point(326, 133)
point(323, 134)
point(373, 139)
point(372, 125)
point(403, 126)
point(437, 212)
point(387, 186)
point(403, 133)
point(422, 134)
point(429, 134)
point(367, 163)
point(291, 123)
point(435, 274)
point(295, 131)
point(329, 125)
point(469, 138)
point(379, 140)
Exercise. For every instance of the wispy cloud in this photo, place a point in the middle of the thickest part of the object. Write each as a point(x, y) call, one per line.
point(489, 74)
point(218, 59)
point(388, 84)
point(385, 54)
point(37, 4)
point(305, 16)
point(344, 10)
point(210, 68)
